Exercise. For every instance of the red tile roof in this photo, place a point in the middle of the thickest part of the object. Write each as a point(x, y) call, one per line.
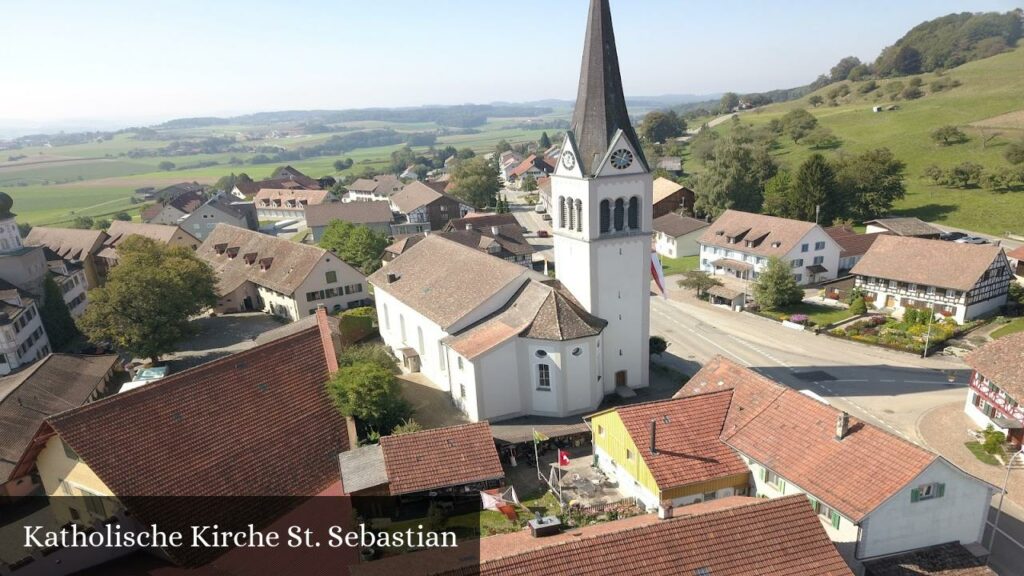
point(1002, 362)
point(780, 537)
point(794, 435)
point(687, 439)
point(440, 458)
point(928, 262)
point(851, 243)
point(1017, 254)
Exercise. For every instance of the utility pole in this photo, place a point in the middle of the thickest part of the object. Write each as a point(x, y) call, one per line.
point(928, 337)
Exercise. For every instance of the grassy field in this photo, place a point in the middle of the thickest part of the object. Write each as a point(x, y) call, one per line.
point(679, 265)
point(818, 314)
point(979, 452)
point(1011, 328)
point(991, 90)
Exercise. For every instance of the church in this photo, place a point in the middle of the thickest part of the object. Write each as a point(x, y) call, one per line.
point(506, 341)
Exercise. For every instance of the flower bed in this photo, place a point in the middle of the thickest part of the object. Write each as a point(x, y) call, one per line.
point(905, 335)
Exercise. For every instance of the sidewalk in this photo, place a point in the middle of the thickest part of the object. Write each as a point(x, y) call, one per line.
point(945, 429)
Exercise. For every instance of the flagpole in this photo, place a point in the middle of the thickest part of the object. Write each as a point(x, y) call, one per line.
point(536, 455)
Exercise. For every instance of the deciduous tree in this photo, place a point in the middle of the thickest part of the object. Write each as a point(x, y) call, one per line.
point(369, 393)
point(698, 281)
point(776, 287)
point(475, 182)
point(871, 182)
point(659, 126)
point(358, 245)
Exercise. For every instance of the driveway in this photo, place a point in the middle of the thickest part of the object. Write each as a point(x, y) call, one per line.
point(219, 336)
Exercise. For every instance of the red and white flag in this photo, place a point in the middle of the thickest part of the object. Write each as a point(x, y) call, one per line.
point(563, 458)
point(658, 273)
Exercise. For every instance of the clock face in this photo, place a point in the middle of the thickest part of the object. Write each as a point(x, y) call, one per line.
point(622, 159)
point(568, 160)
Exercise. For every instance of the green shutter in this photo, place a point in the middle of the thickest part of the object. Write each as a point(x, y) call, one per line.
point(814, 504)
point(915, 495)
point(835, 520)
point(782, 486)
point(940, 490)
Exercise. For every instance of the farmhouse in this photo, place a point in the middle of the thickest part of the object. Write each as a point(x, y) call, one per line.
point(172, 236)
point(1017, 258)
point(285, 178)
point(794, 444)
point(960, 281)
point(996, 393)
point(284, 278)
point(424, 209)
point(671, 197)
point(739, 244)
point(676, 236)
point(907, 227)
point(275, 204)
point(379, 189)
point(853, 246)
point(174, 208)
point(374, 214)
point(221, 209)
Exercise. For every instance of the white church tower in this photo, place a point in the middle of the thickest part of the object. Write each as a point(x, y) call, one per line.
point(601, 196)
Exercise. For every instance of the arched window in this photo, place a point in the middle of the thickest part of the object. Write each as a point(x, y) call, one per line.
point(620, 215)
point(606, 216)
point(572, 214)
point(634, 213)
point(579, 215)
point(561, 212)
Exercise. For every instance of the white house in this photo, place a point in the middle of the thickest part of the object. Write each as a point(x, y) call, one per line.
point(740, 243)
point(378, 189)
point(23, 339)
point(221, 209)
point(278, 204)
point(260, 272)
point(376, 215)
point(995, 396)
point(960, 281)
point(676, 236)
point(876, 493)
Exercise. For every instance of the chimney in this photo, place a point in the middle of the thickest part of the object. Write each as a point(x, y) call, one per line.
point(392, 278)
point(496, 230)
point(842, 425)
point(654, 438)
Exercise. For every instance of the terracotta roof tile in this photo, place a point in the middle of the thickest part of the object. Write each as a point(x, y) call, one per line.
point(794, 435)
point(778, 235)
point(440, 458)
point(851, 243)
point(927, 262)
point(1002, 362)
point(1017, 254)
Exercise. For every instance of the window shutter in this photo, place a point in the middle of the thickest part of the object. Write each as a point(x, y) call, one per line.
point(764, 475)
point(915, 495)
point(814, 504)
point(782, 486)
point(940, 490)
point(835, 520)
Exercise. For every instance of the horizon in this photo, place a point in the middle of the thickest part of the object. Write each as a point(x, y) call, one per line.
point(112, 79)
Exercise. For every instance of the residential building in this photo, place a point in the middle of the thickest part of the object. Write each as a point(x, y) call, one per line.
point(876, 493)
point(671, 197)
point(507, 162)
point(256, 423)
point(455, 462)
point(676, 236)
point(284, 278)
point(671, 164)
point(507, 342)
point(48, 387)
point(995, 396)
point(960, 281)
point(221, 209)
point(499, 235)
point(274, 204)
point(728, 537)
point(23, 339)
point(285, 178)
point(535, 166)
point(853, 246)
point(1017, 259)
point(375, 215)
point(544, 193)
point(425, 209)
point(378, 189)
point(908, 227)
point(74, 246)
point(70, 280)
point(173, 236)
point(739, 244)
point(668, 454)
point(174, 208)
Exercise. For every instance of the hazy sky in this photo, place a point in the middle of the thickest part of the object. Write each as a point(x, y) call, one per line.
point(143, 60)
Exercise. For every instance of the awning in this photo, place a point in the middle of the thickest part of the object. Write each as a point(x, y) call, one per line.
point(723, 292)
point(408, 353)
point(731, 264)
point(817, 269)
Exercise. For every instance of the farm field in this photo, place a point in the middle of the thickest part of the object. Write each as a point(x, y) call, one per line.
point(989, 105)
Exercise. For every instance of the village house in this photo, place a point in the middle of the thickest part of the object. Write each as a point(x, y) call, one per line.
point(739, 244)
point(221, 209)
point(256, 423)
point(544, 193)
point(24, 340)
point(378, 189)
point(285, 178)
point(70, 280)
point(174, 208)
point(73, 245)
point(671, 197)
point(671, 164)
point(959, 281)
point(533, 165)
point(676, 236)
point(668, 454)
point(374, 214)
point(504, 242)
point(907, 227)
point(853, 246)
point(454, 462)
point(995, 396)
point(1017, 258)
point(878, 495)
point(276, 205)
point(507, 162)
point(284, 278)
point(172, 236)
point(48, 387)
point(424, 209)
point(735, 535)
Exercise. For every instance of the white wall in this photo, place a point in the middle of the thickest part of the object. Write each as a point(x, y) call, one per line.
point(628, 485)
point(431, 364)
point(500, 382)
point(958, 516)
point(830, 255)
point(317, 280)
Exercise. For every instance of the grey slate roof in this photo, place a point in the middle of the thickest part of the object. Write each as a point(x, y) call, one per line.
point(906, 226)
point(69, 243)
point(600, 105)
point(353, 212)
point(676, 225)
point(362, 468)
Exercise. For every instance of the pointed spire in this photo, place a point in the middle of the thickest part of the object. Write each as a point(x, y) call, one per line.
point(600, 105)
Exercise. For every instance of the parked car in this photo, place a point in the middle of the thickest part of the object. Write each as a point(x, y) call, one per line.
point(539, 208)
point(543, 234)
point(546, 217)
point(972, 240)
point(952, 236)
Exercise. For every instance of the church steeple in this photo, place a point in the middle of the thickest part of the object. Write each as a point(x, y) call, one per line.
point(600, 105)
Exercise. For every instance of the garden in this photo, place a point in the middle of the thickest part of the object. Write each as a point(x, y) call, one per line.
point(909, 334)
point(808, 314)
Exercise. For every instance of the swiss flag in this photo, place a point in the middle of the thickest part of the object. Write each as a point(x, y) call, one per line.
point(563, 458)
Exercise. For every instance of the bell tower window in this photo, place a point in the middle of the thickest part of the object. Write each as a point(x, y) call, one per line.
point(634, 213)
point(561, 212)
point(606, 216)
point(572, 214)
point(620, 215)
point(579, 215)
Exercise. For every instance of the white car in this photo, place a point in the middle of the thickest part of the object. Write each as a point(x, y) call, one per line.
point(972, 240)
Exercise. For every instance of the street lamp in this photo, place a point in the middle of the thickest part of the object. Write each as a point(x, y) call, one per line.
point(999, 510)
point(928, 337)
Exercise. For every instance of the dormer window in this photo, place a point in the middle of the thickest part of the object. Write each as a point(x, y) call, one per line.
point(220, 248)
point(232, 252)
point(776, 244)
point(249, 258)
point(719, 232)
point(266, 263)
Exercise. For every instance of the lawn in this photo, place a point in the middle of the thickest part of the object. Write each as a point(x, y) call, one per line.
point(818, 314)
point(679, 265)
point(979, 452)
point(1011, 328)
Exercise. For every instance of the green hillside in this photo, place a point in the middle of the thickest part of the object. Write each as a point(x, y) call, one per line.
point(988, 105)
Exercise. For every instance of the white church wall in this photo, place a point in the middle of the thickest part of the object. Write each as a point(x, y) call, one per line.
point(583, 390)
point(500, 383)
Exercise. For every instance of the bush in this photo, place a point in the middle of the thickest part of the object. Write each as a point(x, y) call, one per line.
point(368, 353)
point(912, 93)
point(858, 306)
point(994, 440)
point(658, 345)
point(799, 318)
